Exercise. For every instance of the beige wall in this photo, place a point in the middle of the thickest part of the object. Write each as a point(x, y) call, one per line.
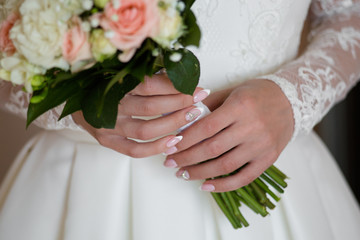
point(12, 137)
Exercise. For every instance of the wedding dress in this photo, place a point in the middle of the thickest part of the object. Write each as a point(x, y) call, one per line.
point(64, 185)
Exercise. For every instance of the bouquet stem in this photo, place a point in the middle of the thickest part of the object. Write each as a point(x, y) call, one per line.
point(253, 195)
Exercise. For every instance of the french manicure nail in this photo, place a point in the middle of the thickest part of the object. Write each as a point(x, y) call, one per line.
point(173, 141)
point(170, 163)
point(207, 187)
point(170, 151)
point(201, 95)
point(193, 114)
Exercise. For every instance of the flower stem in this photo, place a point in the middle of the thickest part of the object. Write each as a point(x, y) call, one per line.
point(264, 187)
point(276, 178)
point(253, 202)
point(224, 209)
point(272, 183)
point(278, 172)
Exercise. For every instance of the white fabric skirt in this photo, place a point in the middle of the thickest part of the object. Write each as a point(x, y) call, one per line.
point(63, 185)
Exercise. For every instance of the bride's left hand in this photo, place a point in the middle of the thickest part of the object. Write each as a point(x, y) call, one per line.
point(249, 127)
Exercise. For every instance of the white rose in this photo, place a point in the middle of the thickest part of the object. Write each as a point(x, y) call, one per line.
point(38, 36)
point(171, 24)
point(20, 71)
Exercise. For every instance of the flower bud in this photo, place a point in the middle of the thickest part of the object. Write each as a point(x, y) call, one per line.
point(101, 47)
point(37, 80)
point(101, 3)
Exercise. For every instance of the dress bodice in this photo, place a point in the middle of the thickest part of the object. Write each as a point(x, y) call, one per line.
point(242, 39)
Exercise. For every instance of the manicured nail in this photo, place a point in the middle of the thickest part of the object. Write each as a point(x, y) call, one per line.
point(173, 141)
point(207, 187)
point(193, 114)
point(170, 151)
point(170, 163)
point(201, 95)
point(183, 174)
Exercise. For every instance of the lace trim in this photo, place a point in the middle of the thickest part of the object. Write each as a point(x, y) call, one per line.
point(18, 103)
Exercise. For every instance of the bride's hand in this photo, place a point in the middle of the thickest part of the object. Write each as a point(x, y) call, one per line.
point(154, 97)
point(249, 128)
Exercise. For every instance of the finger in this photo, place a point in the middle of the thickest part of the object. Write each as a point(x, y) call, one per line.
point(206, 128)
point(226, 164)
point(244, 177)
point(158, 84)
point(210, 148)
point(139, 150)
point(154, 105)
point(150, 129)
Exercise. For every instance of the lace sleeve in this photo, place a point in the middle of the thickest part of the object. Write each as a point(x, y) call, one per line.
point(15, 100)
point(329, 67)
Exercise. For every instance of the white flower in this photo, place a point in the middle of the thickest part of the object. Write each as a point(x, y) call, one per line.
point(171, 23)
point(19, 71)
point(38, 36)
point(101, 47)
point(76, 6)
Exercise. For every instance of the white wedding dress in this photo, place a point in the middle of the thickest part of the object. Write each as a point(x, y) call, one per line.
point(64, 185)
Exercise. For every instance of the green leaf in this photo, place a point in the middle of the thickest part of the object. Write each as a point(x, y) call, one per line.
point(188, 3)
point(73, 104)
point(56, 96)
point(193, 34)
point(185, 73)
point(101, 112)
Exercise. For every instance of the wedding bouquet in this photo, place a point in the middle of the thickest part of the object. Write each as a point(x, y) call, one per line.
point(89, 53)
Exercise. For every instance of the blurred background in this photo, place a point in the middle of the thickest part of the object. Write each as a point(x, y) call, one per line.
point(340, 130)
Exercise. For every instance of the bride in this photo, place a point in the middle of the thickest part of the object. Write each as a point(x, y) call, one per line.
point(265, 100)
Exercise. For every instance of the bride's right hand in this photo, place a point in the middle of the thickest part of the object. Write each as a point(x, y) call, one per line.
point(154, 97)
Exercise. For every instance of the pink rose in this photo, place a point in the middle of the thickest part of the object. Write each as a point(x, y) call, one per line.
point(130, 23)
point(76, 46)
point(6, 44)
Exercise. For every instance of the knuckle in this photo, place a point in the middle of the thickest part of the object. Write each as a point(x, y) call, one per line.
point(209, 127)
point(230, 185)
point(133, 152)
point(228, 165)
point(142, 132)
point(146, 107)
point(215, 148)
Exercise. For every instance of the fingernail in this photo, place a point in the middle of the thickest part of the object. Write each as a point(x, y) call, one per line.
point(170, 163)
point(201, 95)
point(193, 114)
point(170, 151)
point(183, 174)
point(172, 142)
point(207, 187)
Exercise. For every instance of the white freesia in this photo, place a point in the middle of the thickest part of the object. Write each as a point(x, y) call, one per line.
point(19, 71)
point(38, 36)
point(171, 25)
